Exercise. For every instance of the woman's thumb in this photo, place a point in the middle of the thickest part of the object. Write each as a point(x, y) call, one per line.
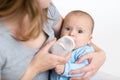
point(49, 44)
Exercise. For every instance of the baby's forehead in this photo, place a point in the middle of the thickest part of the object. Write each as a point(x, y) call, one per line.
point(78, 19)
point(78, 15)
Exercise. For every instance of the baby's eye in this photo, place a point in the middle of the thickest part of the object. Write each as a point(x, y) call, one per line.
point(80, 31)
point(67, 28)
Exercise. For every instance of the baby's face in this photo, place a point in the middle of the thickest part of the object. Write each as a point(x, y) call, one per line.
point(78, 28)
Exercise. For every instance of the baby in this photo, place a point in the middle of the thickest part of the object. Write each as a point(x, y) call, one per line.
point(78, 25)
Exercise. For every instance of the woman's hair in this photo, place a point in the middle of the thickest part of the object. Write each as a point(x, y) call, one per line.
point(19, 9)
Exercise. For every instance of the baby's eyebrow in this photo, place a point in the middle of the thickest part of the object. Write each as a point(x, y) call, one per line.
point(80, 28)
point(68, 26)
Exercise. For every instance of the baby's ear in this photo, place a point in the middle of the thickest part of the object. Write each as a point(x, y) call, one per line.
point(90, 39)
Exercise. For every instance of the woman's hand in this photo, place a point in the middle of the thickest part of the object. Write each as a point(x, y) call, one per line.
point(43, 61)
point(96, 60)
point(59, 69)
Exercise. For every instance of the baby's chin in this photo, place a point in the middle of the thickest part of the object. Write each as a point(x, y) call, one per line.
point(76, 47)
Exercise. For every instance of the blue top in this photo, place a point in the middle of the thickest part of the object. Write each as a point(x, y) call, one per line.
point(76, 54)
point(15, 57)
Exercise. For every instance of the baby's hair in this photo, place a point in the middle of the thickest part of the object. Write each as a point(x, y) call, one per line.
point(79, 13)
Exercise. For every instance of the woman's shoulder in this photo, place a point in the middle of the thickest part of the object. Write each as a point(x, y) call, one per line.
point(3, 27)
point(53, 15)
point(51, 8)
point(53, 12)
point(4, 41)
point(5, 37)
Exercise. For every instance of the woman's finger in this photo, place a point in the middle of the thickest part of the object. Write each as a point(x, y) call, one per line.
point(76, 78)
point(84, 69)
point(88, 75)
point(86, 56)
point(58, 59)
point(49, 44)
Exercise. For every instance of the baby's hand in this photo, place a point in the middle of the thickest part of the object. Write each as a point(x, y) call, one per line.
point(59, 69)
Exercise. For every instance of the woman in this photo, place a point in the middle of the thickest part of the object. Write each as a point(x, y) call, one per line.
point(27, 29)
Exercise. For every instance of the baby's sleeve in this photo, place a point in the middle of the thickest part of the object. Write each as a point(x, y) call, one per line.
point(73, 66)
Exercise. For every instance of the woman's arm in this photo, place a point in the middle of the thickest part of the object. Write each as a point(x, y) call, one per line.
point(96, 60)
point(43, 61)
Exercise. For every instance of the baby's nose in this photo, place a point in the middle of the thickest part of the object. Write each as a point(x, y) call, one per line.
point(72, 33)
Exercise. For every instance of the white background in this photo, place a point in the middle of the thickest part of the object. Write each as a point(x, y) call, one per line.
point(106, 14)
